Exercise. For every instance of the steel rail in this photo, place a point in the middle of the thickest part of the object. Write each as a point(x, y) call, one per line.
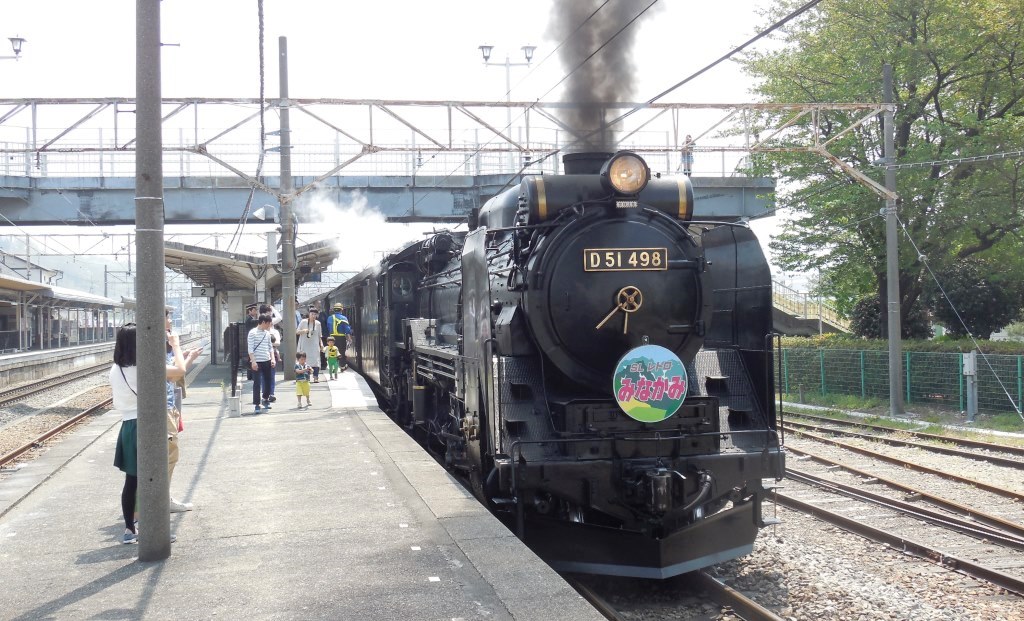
point(17, 393)
point(990, 446)
point(917, 512)
point(912, 466)
point(938, 501)
point(599, 603)
point(9, 457)
point(726, 596)
point(904, 544)
point(1015, 463)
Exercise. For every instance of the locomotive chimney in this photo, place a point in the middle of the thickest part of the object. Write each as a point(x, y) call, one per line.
point(586, 163)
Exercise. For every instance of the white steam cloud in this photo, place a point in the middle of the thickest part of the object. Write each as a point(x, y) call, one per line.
point(360, 233)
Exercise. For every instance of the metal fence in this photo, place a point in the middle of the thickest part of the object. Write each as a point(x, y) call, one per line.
point(929, 378)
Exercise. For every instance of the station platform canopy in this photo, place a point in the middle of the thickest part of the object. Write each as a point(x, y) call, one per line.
point(52, 295)
point(230, 271)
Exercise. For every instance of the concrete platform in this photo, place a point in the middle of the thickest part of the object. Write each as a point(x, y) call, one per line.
point(326, 513)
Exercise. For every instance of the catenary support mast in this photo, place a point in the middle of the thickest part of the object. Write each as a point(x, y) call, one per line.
point(151, 338)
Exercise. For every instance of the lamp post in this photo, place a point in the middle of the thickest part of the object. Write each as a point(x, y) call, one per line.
point(16, 43)
point(485, 51)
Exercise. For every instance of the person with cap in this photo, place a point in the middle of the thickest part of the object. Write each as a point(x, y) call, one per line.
point(341, 330)
point(251, 316)
point(251, 319)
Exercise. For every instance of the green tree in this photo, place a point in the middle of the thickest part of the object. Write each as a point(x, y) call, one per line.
point(867, 320)
point(976, 293)
point(957, 69)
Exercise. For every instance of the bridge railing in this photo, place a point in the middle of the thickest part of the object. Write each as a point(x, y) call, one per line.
point(94, 153)
point(805, 306)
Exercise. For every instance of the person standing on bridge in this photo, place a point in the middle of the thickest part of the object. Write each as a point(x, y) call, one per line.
point(310, 334)
point(341, 330)
point(687, 154)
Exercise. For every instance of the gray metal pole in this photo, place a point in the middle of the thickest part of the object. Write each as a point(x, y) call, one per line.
point(892, 254)
point(508, 111)
point(287, 222)
point(151, 339)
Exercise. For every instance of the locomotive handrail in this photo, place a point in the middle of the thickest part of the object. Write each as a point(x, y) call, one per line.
point(742, 225)
point(769, 380)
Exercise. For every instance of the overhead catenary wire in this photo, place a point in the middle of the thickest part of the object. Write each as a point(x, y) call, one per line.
point(520, 116)
point(956, 161)
point(924, 260)
point(605, 126)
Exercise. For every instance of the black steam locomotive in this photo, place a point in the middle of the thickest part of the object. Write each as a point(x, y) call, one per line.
point(596, 364)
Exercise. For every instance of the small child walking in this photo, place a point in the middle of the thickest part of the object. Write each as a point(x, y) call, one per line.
point(333, 356)
point(302, 371)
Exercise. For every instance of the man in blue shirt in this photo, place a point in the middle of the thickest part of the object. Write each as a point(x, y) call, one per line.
point(341, 330)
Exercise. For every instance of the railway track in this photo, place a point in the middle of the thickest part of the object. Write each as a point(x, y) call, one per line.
point(1008, 458)
point(965, 442)
point(11, 395)
point(1003, 566)
point(26, 391)
point(38, 441)
point(950, 532)
point(731, 601)
point(916, 494)
point(995, 489)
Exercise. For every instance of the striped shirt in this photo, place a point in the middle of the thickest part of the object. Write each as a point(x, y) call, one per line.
point(259, 345)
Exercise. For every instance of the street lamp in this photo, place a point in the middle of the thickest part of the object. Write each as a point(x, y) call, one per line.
point(16, 43)
point(485, 51)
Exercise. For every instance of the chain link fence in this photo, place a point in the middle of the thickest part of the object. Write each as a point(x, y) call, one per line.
point(928, 377)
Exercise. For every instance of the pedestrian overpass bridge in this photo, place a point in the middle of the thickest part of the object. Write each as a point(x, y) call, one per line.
point(72, 161)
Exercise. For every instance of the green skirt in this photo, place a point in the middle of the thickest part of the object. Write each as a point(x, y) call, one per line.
point(126, 455)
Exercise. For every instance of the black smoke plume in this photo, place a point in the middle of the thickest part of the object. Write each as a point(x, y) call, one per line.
point(609, 76)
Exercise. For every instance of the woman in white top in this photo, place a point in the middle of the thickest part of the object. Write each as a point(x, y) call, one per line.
point(311, 335)
point(124, 388)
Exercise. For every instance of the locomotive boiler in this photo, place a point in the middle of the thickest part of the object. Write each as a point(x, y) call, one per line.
point(596, 363)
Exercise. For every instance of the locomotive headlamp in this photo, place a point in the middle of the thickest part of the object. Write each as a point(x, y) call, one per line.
point(627, 173)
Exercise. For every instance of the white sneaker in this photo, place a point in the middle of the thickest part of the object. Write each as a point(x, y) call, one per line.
point(179, 507)
point(126, 531)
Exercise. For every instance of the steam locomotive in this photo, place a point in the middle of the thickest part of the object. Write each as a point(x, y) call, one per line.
point(594, 362)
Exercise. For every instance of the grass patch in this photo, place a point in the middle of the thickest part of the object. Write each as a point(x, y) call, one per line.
point(1006, 421)
point(891, 424)
point(843, 402)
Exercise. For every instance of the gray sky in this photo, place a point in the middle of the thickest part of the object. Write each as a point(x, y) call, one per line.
point(403, 49)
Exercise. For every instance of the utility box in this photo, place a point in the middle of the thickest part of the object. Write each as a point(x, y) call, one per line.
point(970, 369)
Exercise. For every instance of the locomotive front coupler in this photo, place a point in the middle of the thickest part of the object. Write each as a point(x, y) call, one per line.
point(655, 485)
